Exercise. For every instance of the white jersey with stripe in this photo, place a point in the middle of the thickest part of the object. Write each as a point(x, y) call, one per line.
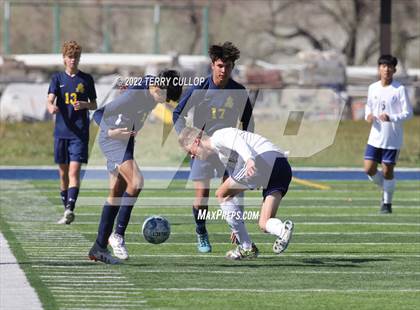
point(392, 100)
point(243, 143)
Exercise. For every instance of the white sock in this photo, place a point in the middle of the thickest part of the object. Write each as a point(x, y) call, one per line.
point(274, 226)
point(389, 187)
point(378, 179)
point(233, 213)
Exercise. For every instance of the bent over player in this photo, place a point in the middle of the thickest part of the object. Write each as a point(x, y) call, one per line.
point(259, 164)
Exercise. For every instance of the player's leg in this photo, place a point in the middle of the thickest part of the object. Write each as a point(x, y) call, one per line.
point(63, 171)
point(200, 206)
point(280, 176)
point(272, 225)
point(74, 184)
point(372, 158)
point(228, 195)
point(389, 160)
point(77, 153)
point(133, 179)
point(99, 251)
point(62, 158)
point(201, 173)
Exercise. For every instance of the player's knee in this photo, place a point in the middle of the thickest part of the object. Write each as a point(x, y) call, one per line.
point(221, 196)
point(74, 175)
point(134, 186)
point(370, 171)
point(388, 174)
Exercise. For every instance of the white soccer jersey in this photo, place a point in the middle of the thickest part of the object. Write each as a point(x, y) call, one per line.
point(246, 144)
point(392, 100)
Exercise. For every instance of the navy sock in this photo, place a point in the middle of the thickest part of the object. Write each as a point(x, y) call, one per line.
point(127, 203)
point(106, 224)
point(200, 224)
point(72, 194)
point(63, 195)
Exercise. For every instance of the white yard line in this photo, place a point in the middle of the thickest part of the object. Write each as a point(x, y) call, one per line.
point(309, 290)
point(15, 290)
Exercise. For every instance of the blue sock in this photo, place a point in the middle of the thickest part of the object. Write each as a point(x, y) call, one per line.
point(72, 194)
point(127, 203)
point(106, 224)
point(63, 195)
point(200, 224)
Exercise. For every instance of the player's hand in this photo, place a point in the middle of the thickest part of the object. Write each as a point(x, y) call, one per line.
point(52, 109)
point(122, 88)
point(250, 167)
point(121, 133)
point(80, 105)
point(370, 118)
point(384, 117)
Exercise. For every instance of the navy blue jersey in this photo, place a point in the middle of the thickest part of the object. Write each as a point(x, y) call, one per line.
point(129, 110)
point(214, 107)
point(69, 123)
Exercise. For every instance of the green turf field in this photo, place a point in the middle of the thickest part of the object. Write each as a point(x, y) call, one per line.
point(343, 255)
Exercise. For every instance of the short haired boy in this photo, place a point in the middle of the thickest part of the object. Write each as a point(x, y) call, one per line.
point(71, 95)
point(387, 109)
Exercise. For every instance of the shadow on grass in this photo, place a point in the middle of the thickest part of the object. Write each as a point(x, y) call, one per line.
point(304, 263)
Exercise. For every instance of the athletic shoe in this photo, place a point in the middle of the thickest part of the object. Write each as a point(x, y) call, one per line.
point(240, 253)
point(67, 218)
point(386, 208)
point(203, 243)
point(97, 253)
point(116, 241)
point(281, 243)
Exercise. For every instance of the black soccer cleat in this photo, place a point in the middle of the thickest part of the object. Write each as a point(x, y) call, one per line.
point(386, 208)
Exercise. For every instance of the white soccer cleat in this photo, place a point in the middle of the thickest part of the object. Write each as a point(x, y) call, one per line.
point(281, 243)
point(240, 253)
point(97, 253)
point(67, 218)
point(117, 243)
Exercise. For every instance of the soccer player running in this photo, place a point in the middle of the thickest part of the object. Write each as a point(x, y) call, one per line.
point(259, 164)
point(119, 121)
point(218, 102)
point(387, 108)
point(71, 95)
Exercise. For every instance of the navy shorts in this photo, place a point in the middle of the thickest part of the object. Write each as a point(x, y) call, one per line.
point(381, 155)
point(206, 169)
point(116, 151)
point(274, 174)
point(67, 150)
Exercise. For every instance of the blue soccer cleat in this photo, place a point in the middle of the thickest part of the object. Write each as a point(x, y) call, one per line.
point(203, 243)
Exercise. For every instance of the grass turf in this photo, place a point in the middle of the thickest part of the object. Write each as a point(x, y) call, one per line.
point(343, 255)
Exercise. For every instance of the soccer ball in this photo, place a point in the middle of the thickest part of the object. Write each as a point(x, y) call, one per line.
point(156, 229)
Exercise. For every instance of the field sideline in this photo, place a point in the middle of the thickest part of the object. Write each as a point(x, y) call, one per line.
point(344, 255)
